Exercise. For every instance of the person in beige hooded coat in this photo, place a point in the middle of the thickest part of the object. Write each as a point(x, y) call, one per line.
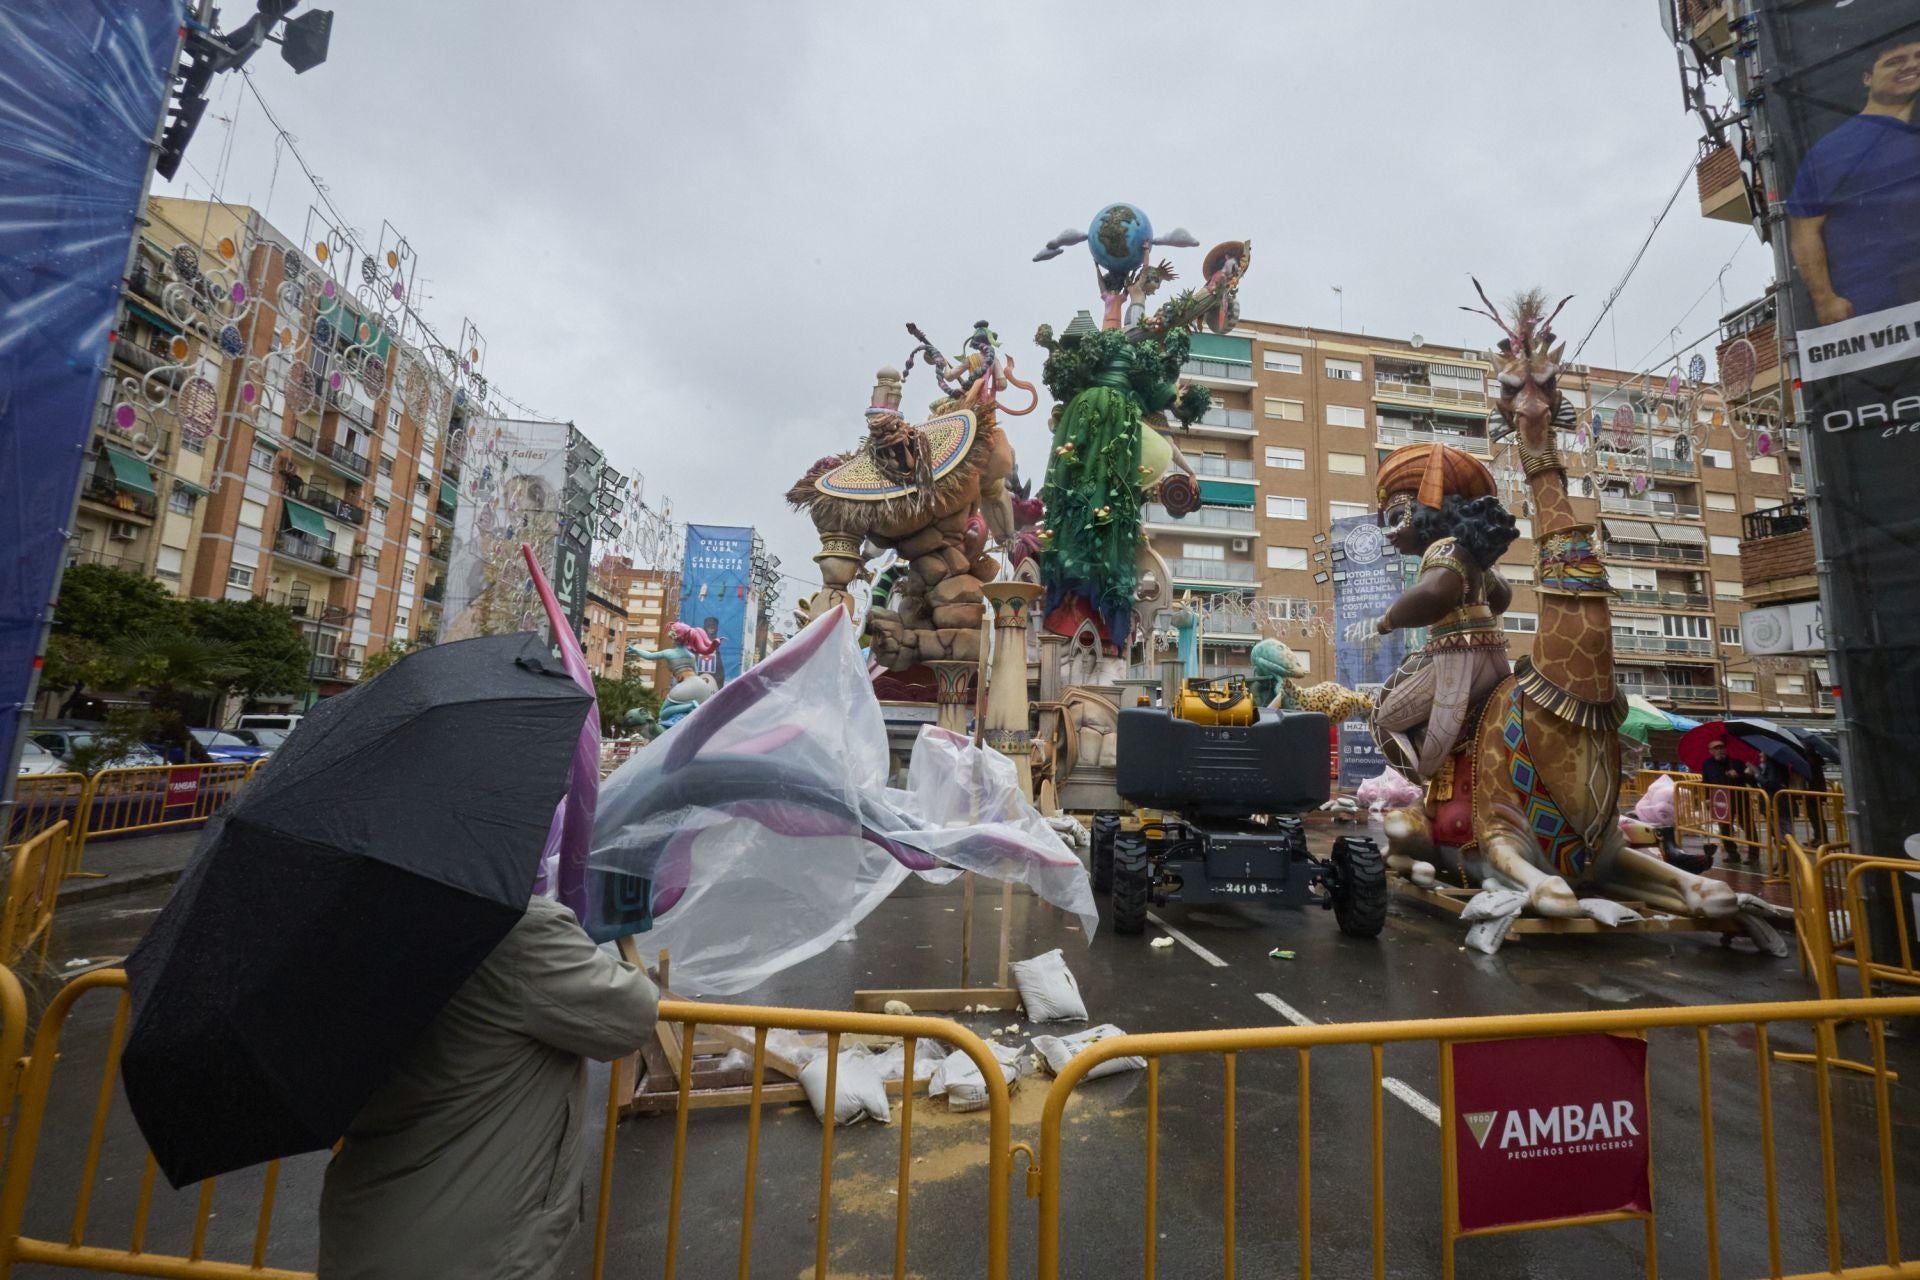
point(469, 1162)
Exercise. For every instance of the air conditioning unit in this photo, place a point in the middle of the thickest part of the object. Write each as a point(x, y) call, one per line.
point(1242, 544)
point(123, 531)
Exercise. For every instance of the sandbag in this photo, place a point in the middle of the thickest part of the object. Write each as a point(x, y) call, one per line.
point(1048, 990)
point(892, 1064)
point(858, 1090)
point(958, 1077)
point(1057, 1051)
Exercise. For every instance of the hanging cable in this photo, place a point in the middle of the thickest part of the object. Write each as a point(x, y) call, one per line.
point(1639, 253)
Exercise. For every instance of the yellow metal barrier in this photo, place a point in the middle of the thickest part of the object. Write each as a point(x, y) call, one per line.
point(137, 1258)
point(33, 889)
point(1443, 1035)
point(124, 801)
point(1814, 818)
point(1714, 813)
point(41, 801)
point(1636, 786)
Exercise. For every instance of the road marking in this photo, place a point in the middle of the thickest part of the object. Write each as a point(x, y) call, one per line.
point(1284, 1009)
point(1398, 1088)
point(1187, 942)
point(1412, 1097)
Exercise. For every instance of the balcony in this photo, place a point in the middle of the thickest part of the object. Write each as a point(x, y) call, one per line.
point(1392, 436)
point(438, 550)
point(316, 496)
point(1420, 393)
point(1706, 26)
point(106, 492)
point(349, 403)
point(1668, 599)
point(1626, 642)
point(1660, 551)
point(443, 511)
point(355, 464)
point(1221, 421)
point(1775, 522)
point(1218, 371)
point(1622, 505)
point(1722, 186)
point(143, 361)
point(1683, 695)
point(1236, 520)
point(326, 668)
point(435, 592)
point(1776, 554)
point(311, 551)
point(1227, 571)
point(1222, 468)
point(1611, 460)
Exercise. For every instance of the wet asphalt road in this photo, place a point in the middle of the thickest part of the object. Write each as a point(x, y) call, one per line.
point(1225, 979)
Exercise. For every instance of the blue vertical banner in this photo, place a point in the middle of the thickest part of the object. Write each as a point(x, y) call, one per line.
point(714, 582)
point(1368, 576)
point(84, 84)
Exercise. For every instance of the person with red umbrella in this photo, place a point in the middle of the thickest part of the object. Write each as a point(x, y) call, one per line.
point(1720, 769)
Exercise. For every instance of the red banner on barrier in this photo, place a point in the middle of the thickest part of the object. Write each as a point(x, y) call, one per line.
point(183, 788)
point(1550, 1128)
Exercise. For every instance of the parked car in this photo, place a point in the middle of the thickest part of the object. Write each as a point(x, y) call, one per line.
point(36, 761)
point(70, 738)
point(266, 739)
point(226, 748)
point(285, 721)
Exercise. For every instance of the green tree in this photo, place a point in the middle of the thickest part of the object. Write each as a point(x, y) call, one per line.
point(380, 661)
point(617, 697)
point(97, 609)
point(180, 672)
point(264, 643)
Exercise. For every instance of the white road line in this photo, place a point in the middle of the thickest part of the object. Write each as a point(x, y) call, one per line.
point(1412, 1097)
point(1187, 942)
point(1284, 1009)
point(1398, 1088)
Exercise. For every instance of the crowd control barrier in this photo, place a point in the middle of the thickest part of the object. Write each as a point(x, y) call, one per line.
point(1510, 1060)
point(1636, 786)
point(41, 800)
point(157, 798)
point(1737, 818)
point(33, 889)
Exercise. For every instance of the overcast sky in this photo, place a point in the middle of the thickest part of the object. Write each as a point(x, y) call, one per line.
point(697, 229)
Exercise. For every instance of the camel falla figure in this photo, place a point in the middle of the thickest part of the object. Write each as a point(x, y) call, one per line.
point(1528, 803)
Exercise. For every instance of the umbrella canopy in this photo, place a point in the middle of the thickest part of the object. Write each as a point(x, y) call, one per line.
point(1643, 718)
point(1819, 746)
point(338, 903)
point(1778, 743)
point(1693, 745)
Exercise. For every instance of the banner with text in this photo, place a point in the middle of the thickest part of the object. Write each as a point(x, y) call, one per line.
point(1368, 575)
point(1842, 83)
point(512, 477)
point(1549, 1128)
point(714, 581)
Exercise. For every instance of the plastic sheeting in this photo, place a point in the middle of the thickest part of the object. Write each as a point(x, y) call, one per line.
point(755, 833)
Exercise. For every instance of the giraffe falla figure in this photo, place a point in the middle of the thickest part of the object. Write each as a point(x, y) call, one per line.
point(1528, 806)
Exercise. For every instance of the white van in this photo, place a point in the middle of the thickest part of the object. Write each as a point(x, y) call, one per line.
point(269, 720)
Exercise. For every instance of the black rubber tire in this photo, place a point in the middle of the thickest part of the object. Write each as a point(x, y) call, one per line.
point(1105, 827)
point(1132, 884)
point(1360, 895)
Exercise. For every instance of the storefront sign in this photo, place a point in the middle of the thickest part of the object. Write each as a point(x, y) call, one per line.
point(1549, 1128)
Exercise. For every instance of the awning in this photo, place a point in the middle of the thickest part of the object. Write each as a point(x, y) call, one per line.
point(1684, 534)
point(450, 493)
point(1218, 346)
point(306, 519)
point(1629, 530)
point(130, 473)
point(153, 318)
point(189, 487)
point(1227, 493)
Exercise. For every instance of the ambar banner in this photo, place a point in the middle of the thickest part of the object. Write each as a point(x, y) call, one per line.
point(84, 83)
point(1840, 87)
point(713, 589)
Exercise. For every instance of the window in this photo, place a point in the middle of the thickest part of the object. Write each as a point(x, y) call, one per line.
point(193, 444)
point(1279, 508)
point(1347, 464)
point(1790, 684)
point(1728, 591)
point(1739, 683)
point(1768, 504)
point(1347, 510)
point(181, 501)
point(1685, 626)
point(413, 536)
point(168, 563)
point(1286, 557)
point(1203, 551)
point(386, 465)
point(1520, 623)
point(1288, 410)
point(1524, 525)
point(1722, 502)
point(1346, 415)
point(1724, 546)
point(406, 573)
point(1280, 361)
point(1768, 466)
point(401, 620)
point(238, 577)
point(1730, 635)
point(262, 458)
point(362, 611)
point(393, 419)
point(1287, 459)
point(1344, 370)
point(252, 514)
point(1721, 458)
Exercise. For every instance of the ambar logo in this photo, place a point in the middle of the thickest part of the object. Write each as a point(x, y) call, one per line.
point(1480, 1124)
point(1553, 1126)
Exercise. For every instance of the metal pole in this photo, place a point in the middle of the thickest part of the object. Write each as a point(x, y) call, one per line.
point(23, 714)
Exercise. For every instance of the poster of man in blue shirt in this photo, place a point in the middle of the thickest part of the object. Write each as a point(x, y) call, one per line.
point(1854, 210)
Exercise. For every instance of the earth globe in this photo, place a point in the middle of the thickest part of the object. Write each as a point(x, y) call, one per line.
point(1118, 238)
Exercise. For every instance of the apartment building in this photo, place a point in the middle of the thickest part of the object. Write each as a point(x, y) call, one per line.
point(306, 472)
point(643, 595)
point(1302, 418)
point(605, 638)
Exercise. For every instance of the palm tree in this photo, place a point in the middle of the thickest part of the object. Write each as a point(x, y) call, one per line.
point(175, 669)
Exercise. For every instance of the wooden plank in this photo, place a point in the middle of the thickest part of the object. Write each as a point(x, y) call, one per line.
point(669, 1100)
point(940, 1000)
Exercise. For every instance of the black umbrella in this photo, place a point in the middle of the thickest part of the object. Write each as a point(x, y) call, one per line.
point(1775, 741)
point(343, 897)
